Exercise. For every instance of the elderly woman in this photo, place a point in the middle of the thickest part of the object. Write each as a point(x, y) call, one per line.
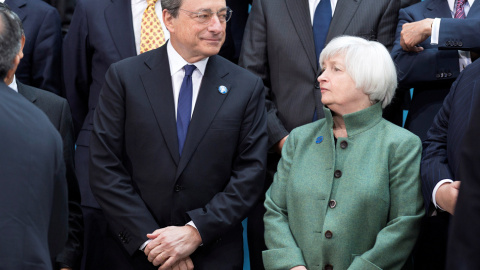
point(347, 191)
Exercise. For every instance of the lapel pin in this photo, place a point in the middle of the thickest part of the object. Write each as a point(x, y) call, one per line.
point(319, 139)
point(222, 89)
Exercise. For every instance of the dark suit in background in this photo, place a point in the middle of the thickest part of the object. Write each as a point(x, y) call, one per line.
point(441, 156)
point(235, 28)
point(100, 34)
point(147, 185)
point(33, 190)
point(65, 8)
point(58, 111)
point(432, 71)
point(41, 63)
point(279, 47)
point(463, 244)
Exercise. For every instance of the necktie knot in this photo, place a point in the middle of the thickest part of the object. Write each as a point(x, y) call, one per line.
point(189, 69)
point(459, 9)
point(151, 2)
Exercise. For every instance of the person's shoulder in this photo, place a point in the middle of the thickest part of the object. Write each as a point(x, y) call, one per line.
point(422, 5)
point(310, 130)
point(39, 7)
point(43, 94)
point(399, 135)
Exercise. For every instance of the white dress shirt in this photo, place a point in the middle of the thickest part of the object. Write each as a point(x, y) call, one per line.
point(464, 60)
point(313, 5)
point(138, 7)
point(13, 85)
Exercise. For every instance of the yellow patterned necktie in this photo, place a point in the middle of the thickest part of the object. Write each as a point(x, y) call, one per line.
point(152, 35)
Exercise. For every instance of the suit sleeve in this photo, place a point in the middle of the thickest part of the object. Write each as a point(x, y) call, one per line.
point(76, 65)
point(73, 249)
point(435, 166)
point(46, 63)
point(466, 34)
point(109, 179)
point(229, 207)
point(397, 239)
point(57, 231)
point(425, 66)
point(254, 57)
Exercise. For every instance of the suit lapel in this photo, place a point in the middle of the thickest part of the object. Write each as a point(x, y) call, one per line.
point(208, 102)
point(474, 10)
point(157, 82)
point(438, 9)
point(118, 17)
point(29, 95)
point(344, 12)
point(300, 16)
point(16, 6)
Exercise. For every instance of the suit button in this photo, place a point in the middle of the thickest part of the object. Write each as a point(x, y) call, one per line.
point(332, 204)
point(449, 74)
point(337, 174)
point(344, 144)
point(460, 44)
point(178, 188)
point(328, 267)
point(455, 43)
point(328, 234)
point(438, 76)
point(317, 85)
point(448, 43)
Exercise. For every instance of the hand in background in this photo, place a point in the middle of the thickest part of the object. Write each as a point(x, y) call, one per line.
point(446, 196)
point(415, 33)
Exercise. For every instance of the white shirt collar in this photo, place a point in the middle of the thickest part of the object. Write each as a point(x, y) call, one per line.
point(2, 1)
point(451, 4)
point(177, 62)
point(13, 85)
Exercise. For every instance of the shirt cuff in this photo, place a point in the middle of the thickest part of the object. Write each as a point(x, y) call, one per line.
point(435, 31)
point(435, 191)
point(193, 225)
point(142, 247)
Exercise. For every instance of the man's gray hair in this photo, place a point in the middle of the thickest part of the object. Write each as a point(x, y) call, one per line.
point(368, 63)
point(11, 32)
point(172, 6)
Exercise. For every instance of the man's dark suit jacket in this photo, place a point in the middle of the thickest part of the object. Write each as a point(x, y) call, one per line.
point(41, 64)
point(33, 190)
point(101, 33)
point(464, 244)
point(58, 111)
point(441, 156)
point(138, 176)
point(432, 71)
point(65, 8)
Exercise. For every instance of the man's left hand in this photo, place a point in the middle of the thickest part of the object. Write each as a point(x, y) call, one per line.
point(415, 33)
point(172, 244)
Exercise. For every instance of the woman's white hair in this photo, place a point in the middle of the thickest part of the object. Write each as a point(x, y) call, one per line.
point(368, 63)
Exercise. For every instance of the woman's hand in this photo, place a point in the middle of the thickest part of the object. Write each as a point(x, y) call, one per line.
point(300, 267)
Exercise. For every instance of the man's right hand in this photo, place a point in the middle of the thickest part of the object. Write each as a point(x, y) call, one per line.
point(446, 196)
point(279, 145)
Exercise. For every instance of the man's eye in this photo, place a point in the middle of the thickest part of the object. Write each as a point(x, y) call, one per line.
point(203, 16)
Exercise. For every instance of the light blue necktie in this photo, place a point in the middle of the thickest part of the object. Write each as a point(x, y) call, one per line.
point(184, 109)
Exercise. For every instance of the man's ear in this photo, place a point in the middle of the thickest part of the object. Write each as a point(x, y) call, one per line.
point(20, 53)
point(168, 20)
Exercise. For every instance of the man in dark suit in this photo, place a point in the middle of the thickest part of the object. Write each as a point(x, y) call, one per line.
point(430, 64)
point(65, 9)
point(441, 159)
point(463, 244)
point(188, 190)
point(58, 111)
point(101, 33)
point(279, 46)
point(33, 190)
point(41, 65)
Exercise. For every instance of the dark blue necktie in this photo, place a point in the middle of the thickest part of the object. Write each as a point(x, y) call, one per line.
point(321, 22)
point(184, 109)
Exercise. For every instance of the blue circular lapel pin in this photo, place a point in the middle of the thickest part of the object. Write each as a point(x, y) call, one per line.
point(319, 139)
point(222, 89)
